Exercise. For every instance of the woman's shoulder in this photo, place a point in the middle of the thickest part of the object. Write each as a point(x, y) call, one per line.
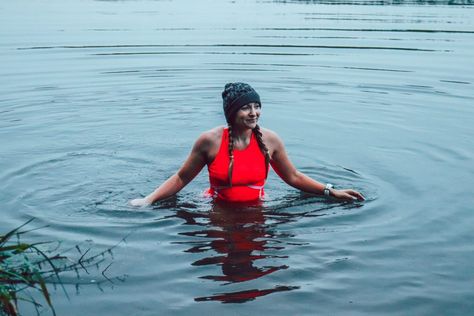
point(213, 134)
point(269, 135)
point(211, 137)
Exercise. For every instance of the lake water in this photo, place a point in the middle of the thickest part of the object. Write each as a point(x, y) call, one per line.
point(100, 101)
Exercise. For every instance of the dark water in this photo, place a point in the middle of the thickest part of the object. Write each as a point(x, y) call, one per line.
point(101, 101)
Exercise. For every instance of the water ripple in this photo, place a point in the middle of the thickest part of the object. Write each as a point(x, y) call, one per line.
point(222, 45)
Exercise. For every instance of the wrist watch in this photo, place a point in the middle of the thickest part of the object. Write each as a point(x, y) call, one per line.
point(327, 189)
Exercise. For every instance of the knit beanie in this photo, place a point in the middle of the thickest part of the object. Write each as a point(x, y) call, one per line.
point(235, 96)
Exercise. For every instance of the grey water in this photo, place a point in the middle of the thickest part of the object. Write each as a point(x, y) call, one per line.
point(100, 101)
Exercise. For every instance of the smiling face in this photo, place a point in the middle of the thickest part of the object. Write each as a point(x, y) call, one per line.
point(247, 116)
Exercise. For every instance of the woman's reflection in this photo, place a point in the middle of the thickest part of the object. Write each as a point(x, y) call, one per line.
point(240, 237)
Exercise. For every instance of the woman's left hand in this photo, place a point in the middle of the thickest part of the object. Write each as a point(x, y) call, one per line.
point(347, 195)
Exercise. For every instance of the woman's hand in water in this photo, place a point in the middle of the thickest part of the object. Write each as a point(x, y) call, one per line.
point(347, 195)
point(139, 202)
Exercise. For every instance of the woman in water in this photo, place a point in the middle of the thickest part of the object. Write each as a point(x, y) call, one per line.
point(238, 157)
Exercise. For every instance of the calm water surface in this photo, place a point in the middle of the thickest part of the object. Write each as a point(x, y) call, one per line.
point(101, 101)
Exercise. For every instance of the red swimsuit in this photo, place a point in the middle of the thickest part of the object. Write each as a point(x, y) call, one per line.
point(248, 176)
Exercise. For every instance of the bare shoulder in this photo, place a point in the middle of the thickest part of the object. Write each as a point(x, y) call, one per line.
point(211, 136)
point(209, 141)
point(270, 136)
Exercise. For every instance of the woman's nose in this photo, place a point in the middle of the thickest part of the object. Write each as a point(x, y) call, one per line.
point(252, 110)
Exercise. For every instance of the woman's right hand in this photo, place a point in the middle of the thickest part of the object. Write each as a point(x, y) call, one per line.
point(139, 202)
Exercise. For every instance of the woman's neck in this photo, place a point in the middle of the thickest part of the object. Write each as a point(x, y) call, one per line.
point(241, 135)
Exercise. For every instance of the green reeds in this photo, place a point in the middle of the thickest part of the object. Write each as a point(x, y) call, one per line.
point(27, 267)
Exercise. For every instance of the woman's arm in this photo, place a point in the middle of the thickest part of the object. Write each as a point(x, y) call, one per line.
point(192, 166)
point(286, 170)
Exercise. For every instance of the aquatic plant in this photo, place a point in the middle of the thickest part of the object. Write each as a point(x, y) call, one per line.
point(27, 268)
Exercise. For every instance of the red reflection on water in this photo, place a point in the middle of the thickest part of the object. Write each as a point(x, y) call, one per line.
point(243, 296)
point(240, 238)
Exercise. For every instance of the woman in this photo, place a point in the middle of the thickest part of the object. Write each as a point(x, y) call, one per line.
point(238, 157)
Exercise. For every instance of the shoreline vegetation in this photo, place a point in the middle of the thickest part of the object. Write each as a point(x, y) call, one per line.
point(26, 269)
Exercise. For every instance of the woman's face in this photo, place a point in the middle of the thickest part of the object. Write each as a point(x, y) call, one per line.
point(247, 116)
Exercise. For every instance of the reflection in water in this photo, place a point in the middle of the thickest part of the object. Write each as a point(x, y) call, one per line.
point(242, 240)
point(244, 296)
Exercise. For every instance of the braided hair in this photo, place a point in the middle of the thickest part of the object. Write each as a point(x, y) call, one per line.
point(263, 147)
point(231, 155)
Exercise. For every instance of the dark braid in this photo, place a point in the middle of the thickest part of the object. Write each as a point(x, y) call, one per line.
point(231, 156)
point(263, 147)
